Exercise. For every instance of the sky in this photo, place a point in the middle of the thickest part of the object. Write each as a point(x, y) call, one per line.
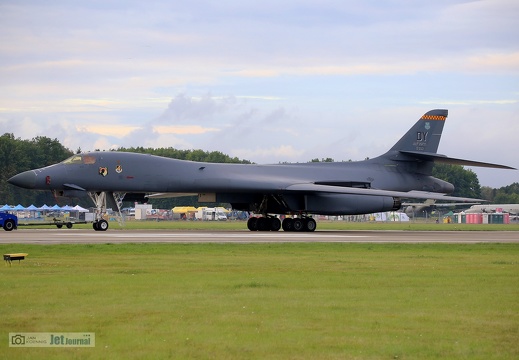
point(267, 81)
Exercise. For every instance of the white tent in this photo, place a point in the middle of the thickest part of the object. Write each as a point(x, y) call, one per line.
point(79, 208)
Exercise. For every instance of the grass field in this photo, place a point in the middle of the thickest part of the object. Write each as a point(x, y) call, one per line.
point(276, 301)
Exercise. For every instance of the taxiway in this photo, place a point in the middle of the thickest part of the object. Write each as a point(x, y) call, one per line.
point(77, 236)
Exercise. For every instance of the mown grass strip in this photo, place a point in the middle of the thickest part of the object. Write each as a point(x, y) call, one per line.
point(279, 301)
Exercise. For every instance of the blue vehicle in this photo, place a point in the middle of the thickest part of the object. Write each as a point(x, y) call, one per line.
point(8, 221)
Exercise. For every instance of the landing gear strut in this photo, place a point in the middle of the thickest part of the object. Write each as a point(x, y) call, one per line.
point(272, 223)
point(100, 200)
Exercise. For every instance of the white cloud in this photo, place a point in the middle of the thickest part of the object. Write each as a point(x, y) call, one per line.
point(107, 129)
point(280, 152)
point(183, 129)
point(472, 102)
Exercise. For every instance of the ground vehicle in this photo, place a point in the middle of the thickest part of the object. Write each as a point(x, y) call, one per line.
point(210, 214)
point(8, 221)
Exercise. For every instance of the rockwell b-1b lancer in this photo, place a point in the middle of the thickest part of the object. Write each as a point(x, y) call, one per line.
point(337, 188)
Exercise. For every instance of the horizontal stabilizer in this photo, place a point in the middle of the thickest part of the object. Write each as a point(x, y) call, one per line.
point(435, 205)
point(427, 156)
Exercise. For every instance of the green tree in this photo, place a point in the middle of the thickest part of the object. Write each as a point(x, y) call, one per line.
point(322, 160)
point(192, 155)
point(507, 194)
point(18, 155)
point(488, 193)
point(13, 156)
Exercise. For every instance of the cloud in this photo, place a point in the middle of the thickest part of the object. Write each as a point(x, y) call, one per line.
point(107, 129)
point(184, 109)
point(280, 152)
point(494, 62)
point(183, 129)
point(472, 102)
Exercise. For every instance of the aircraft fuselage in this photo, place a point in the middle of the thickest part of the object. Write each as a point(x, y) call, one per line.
point(243, 185)
point(132, 172)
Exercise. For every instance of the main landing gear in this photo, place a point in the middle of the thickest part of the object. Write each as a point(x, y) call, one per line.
point(269, 223)
point(272, 223)
point(299, 224)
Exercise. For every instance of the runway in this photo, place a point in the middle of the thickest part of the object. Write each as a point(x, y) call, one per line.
point(77, 236)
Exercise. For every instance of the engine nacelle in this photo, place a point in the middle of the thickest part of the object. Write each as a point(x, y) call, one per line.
point(438, 185)
point(349, 204)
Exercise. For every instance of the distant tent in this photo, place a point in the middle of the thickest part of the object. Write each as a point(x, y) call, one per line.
point(80, 209)
point(55, 207)
point(31, 208)
point(6, 208)
point(18, 207)
point(44, 207)
point(183, 209)
point(67, 208)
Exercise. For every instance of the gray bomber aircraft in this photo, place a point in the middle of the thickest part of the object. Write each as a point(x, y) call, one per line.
point(340, 188)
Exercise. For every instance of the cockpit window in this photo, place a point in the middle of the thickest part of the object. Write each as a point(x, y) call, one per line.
point(80, 159)
point(76, 159)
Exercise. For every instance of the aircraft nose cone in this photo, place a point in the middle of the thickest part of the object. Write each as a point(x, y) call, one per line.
point(26, 180)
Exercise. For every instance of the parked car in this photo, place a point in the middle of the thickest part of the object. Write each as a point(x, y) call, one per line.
point(8, 221)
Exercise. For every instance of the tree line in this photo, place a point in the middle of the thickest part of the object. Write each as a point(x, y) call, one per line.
point(18, 155)
point(191, 155)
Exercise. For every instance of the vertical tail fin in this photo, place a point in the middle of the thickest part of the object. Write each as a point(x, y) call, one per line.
point(425, 135)
point(421, 142)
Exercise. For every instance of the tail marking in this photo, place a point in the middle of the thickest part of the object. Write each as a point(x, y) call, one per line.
point(433, 117)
